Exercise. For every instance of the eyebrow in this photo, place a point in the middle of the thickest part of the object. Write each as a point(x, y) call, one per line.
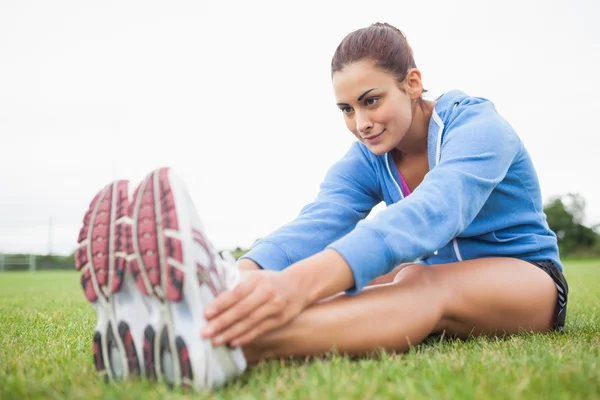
point(359, 97)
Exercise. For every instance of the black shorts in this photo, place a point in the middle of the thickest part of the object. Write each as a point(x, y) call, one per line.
point(560, 311)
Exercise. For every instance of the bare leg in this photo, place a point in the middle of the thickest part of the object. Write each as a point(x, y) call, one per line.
point(486, 296)
point(390, 276)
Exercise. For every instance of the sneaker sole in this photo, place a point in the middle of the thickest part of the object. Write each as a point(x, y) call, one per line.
point(174, 263)
point(102, 257)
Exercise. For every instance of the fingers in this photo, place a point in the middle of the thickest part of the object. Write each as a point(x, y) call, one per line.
point(227, 299)
point(260, 329)
point(224, 326)
point(249, 322)
point(259, 303)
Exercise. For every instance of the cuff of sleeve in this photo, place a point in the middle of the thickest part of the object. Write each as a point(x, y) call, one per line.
point(366, 253)
point(269, 256)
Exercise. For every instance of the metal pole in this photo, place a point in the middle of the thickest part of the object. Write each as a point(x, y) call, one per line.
point(50, 237)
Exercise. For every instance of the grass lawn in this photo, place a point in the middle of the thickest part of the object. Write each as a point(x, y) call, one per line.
point(46, 335)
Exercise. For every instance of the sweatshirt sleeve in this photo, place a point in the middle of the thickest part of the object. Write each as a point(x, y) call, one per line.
point(347, 194)
point(479, 147)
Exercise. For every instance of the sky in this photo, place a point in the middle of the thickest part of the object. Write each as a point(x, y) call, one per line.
point(237, 98)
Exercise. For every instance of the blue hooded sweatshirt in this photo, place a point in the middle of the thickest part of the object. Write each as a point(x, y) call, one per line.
point(481, 198)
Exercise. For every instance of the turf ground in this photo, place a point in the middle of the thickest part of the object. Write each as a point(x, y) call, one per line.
point(46, 333)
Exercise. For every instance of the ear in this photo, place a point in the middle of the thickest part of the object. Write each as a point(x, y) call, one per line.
point(414, 84)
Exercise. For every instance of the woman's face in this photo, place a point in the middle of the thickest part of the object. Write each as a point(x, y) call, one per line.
point(375, 109)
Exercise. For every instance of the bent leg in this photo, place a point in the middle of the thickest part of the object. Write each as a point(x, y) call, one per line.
point(389, 277)
point(485, 296)
point(391, 316)
point(496, 296)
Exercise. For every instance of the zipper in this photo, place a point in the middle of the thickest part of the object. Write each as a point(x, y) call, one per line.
point(437, 160)
point(438, 155)
point(456, 249)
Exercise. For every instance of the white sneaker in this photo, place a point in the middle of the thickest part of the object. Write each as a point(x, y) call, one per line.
point(175, 264)
point(122, 311)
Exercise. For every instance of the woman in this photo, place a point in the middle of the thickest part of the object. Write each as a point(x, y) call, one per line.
point(463, 246)
point(463, 198)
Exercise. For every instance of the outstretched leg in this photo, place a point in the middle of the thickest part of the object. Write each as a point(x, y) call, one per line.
point(486, 296)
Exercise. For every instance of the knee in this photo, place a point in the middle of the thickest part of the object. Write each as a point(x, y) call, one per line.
point(398, 271)
point(415, 275)
point(423, 282)
point(425, 279)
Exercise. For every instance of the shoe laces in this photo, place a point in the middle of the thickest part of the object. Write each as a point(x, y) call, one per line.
point(227, 264)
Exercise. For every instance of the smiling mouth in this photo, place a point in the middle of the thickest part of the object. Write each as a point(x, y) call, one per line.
point(375, 136)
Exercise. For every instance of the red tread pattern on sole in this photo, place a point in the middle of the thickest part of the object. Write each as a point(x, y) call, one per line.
point(101, 231)
point(122, 235)
point(147, 236)
point(172, 247)
point(185, 365)
point(97, 352)
point(132, 361)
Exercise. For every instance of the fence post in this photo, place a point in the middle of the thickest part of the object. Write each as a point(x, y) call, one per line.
point(32, 262)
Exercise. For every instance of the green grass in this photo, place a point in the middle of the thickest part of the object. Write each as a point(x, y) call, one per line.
point(45, 352)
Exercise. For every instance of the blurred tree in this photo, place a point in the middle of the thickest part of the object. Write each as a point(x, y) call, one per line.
point(565, 215)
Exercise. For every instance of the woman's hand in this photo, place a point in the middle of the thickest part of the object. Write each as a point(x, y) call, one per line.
point(263, 300)
point(245, 264)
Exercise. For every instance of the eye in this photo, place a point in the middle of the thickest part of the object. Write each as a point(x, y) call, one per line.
point(346, 110)
point(371, 101)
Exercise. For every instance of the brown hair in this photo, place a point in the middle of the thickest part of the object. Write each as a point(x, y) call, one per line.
point(383, 43)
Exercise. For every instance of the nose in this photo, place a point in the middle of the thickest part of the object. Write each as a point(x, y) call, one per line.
point(363, 123)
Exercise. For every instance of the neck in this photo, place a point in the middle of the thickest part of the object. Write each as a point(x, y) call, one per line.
point(415, 140)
